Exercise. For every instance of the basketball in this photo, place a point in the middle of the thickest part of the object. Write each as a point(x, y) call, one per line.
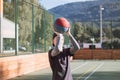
point(61, 25)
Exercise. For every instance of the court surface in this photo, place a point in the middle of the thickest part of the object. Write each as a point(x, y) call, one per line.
point(82, 70)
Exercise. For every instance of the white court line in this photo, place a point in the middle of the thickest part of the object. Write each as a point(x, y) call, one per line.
point(79, 66)
point(94, 71)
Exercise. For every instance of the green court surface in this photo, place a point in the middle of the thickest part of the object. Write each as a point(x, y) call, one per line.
point(81, 70)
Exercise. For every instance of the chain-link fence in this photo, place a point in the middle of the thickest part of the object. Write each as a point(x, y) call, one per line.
point(34, 27)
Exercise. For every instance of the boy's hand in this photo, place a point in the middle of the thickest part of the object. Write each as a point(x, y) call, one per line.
point(68, 32)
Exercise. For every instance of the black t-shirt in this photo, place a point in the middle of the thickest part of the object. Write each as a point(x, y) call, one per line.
point(60, 65)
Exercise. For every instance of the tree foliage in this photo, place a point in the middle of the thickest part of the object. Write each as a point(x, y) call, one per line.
point(42, 21)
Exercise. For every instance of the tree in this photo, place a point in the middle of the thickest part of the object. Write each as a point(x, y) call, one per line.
point(78, 30)
point(25, 21)
point(116, 32)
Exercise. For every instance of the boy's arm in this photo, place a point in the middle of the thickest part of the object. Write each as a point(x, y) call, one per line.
point(59, 45)
point(74, 43)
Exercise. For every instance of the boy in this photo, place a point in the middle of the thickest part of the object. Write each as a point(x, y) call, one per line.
point(59, 57)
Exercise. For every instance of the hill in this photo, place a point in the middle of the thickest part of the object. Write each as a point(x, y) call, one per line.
point(89, 10)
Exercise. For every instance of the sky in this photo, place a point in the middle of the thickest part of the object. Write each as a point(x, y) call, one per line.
point(47, 4)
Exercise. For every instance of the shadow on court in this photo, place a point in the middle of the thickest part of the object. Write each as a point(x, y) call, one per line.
point(33, 77)
point(98, 76)
point(81, 70)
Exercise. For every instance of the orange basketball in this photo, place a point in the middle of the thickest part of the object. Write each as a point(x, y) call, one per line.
point(61, 25)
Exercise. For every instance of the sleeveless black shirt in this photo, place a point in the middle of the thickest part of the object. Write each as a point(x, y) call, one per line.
point(60, 65)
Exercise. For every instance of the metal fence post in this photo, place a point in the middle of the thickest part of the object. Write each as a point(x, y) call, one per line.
point(44, 27)
point(16, 18)
point(32, 28)
point(111, 36)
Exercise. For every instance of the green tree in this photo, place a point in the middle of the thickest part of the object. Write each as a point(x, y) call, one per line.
point(78, 30)
point(116, 32)
point(25, 21)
